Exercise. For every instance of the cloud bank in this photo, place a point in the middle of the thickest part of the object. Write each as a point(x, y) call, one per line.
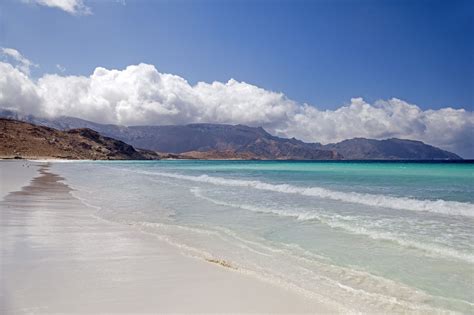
point(140, 94)
point(74, 7)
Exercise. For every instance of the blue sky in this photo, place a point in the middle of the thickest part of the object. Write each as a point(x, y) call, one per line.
point(320, 71)
point(319, 52)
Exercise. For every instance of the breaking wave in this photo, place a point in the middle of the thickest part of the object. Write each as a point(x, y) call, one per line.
point(375, 200)
point(337, 221)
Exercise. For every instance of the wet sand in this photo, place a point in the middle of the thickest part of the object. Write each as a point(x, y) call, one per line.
point(57, 257)
point(15, 174)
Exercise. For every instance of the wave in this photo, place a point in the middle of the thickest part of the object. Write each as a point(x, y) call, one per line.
point(336, 221)
point(345, 282)
point(84, 201)
point(399, 203)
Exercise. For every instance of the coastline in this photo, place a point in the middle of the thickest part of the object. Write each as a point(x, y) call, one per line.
point(58, 257)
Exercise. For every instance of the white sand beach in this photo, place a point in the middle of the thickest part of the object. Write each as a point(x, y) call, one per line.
point(57, 257)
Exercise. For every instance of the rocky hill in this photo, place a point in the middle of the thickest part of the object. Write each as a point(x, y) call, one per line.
point(24, 140)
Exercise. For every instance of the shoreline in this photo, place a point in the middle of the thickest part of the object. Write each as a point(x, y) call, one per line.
point(57, 257)
point(388, 161)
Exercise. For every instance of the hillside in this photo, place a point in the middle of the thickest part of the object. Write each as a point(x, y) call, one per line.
point(25, 140)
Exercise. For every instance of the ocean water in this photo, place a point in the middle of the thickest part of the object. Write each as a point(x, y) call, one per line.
point(363, 236)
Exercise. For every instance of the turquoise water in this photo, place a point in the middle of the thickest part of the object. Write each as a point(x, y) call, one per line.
point(372, 237)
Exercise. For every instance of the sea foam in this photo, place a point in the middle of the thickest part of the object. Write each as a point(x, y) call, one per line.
point(375, 200)
point(337, 221)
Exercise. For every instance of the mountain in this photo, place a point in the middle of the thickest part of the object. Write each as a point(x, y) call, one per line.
point(24, 140)
point(389, 149)
point(243, 142)
point(191, 141)
point(235, 140)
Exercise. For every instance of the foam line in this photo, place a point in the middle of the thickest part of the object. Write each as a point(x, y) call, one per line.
point(400, 203)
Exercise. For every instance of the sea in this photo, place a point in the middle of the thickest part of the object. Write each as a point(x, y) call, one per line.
point(364, 236)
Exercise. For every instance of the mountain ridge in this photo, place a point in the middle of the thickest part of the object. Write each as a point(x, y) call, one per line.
point(206, 140)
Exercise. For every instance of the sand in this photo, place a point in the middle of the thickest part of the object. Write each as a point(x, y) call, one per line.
point(56, 256)
point(15, 174)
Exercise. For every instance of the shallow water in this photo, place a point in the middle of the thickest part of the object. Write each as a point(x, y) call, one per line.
point(367, 236)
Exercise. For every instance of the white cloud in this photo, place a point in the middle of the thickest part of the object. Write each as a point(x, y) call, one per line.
point(139, 94)
point(22, 63)
point(74, 7)
point(448, 128)
point(17, 91)
point(60, 68)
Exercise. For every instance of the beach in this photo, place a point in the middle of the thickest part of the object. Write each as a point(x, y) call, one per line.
point(236, 237)
point(57, 256)
point(236, 157)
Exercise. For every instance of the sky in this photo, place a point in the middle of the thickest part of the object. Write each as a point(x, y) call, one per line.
point(318, 70)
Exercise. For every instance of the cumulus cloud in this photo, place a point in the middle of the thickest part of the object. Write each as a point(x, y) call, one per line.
point(17, 91)
point(22, 63)
point(74, 7)
point(448, 128)
point(140, 94)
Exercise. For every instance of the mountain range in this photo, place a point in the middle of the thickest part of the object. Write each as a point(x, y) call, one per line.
point(223, 141)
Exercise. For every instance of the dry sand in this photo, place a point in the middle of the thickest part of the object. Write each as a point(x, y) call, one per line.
point(57, 257)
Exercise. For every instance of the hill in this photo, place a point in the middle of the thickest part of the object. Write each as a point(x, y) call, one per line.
point(24, 140)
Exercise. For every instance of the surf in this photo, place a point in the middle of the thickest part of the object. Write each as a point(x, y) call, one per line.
point(373, 200)
point(338, 221)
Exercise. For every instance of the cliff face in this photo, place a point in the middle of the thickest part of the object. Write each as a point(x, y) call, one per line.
point(24, 140)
